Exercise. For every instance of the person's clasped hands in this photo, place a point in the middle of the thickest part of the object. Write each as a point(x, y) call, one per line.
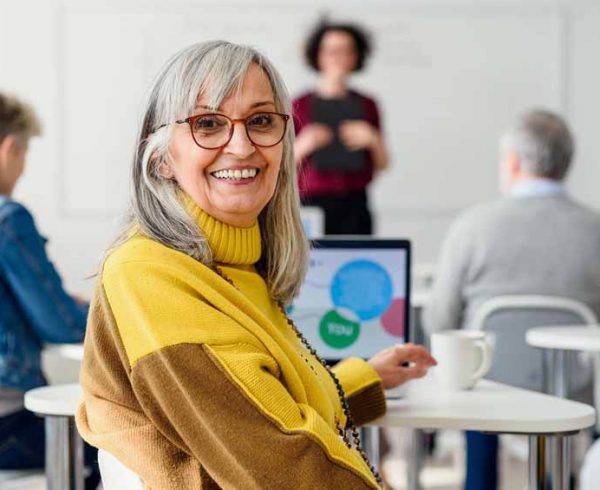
point(354, 135)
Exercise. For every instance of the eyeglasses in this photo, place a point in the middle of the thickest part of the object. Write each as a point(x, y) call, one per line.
point(213, 131)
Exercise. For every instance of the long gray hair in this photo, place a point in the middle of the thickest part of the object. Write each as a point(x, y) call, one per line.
point(215, 69)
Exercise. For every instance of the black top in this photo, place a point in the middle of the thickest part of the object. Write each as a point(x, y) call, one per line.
point(332, 112)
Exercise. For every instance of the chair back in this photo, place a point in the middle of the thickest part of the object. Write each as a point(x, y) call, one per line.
point(507, 319)
point(115, 475)
point(589, 478)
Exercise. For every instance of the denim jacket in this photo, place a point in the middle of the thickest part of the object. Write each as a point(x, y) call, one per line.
point(34, 307)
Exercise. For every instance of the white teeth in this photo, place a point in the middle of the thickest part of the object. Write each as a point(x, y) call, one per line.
point(247, 173)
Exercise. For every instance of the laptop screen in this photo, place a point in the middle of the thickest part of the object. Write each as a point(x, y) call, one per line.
point(355, 298)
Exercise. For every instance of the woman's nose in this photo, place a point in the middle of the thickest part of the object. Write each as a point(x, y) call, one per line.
point(239, 144)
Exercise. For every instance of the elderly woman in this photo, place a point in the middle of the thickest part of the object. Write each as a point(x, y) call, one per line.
point(193, 376)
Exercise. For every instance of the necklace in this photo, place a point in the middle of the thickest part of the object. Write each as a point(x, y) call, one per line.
point(354, 441)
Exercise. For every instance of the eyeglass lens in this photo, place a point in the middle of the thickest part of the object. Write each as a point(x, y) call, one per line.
point(214, 130)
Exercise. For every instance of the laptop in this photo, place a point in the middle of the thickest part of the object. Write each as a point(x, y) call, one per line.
point(355, 300)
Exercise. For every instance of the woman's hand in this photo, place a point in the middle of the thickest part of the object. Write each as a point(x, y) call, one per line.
point(313, 137)
point(389, 364)
point(358, 135)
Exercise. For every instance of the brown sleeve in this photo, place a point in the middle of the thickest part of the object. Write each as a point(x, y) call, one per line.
point(192, 399)
point(368, 404)
point(363, 388)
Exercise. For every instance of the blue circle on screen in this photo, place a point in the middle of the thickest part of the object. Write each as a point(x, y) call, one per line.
point(364, 287)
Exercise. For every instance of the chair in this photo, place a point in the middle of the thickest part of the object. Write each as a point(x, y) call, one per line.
point(508, 318)
point(590, 471)
point(64, 447)
point(115, 475)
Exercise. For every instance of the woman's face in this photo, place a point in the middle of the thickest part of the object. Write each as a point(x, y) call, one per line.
point(233, 201)
point(337, 54)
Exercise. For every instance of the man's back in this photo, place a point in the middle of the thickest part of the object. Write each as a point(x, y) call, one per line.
point(546, 245)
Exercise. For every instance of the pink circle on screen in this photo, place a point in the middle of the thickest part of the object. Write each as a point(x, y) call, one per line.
point(393, 319)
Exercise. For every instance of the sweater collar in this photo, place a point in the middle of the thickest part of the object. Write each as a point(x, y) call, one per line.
point(229, 244)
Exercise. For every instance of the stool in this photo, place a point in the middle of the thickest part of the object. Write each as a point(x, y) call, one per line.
point(64, 446)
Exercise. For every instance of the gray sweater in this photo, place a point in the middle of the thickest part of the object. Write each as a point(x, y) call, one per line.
point(546, 245)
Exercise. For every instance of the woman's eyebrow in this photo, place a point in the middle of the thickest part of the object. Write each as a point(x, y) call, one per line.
point(252, 106)
point(258, 104)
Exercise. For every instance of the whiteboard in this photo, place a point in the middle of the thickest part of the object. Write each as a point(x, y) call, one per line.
point(447, 80)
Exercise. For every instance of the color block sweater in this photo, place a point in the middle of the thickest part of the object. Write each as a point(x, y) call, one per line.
point(195, 383)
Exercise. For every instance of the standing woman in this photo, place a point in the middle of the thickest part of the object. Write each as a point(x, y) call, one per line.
point(193, 376)
point(339, 146)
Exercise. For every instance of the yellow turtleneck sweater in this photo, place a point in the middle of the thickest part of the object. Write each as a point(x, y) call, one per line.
point(193, 382)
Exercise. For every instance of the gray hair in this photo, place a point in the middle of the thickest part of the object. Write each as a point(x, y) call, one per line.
point(543, 142)
point(215, 69)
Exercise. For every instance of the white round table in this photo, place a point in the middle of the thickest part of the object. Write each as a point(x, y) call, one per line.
point(73, 352)
point(492, 407)
point(580, 338)
point(64, 446)
point(557, 341)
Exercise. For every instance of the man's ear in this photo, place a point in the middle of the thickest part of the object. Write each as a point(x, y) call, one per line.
point(514, 164)
point(7, 145)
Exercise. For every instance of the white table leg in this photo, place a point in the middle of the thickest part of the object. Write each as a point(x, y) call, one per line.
point(560, 457)
point(560, 370)
point(64, 454)
point(414, 460)
point(537, 462)
point(561, 462)
point(370, 437)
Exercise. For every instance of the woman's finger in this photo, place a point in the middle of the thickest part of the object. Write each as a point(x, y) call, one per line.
point(414, 353)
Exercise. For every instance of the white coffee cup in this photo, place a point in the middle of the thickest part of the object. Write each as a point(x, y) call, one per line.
point(463, 357)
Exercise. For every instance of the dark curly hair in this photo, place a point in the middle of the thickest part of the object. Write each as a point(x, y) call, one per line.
point(361, 38)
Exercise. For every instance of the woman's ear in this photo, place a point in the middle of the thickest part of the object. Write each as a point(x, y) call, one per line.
point(165, 170)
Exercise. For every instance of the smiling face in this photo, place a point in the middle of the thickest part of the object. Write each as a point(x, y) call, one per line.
point(234, 183)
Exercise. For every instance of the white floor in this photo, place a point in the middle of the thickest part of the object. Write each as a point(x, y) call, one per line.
point(443, 471)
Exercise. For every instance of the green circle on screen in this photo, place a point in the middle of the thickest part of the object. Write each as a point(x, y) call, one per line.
point(337, 331)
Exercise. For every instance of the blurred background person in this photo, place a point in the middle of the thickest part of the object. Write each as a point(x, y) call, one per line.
point(534, 240)
point(34, 307)
point(339, 145)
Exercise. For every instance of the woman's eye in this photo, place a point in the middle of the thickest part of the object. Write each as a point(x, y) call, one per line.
point(261, 120)
point(208, 124)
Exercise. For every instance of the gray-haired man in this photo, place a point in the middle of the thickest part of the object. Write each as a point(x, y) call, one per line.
point(534, 240)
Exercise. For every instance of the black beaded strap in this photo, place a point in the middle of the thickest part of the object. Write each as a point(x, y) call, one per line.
point(355, 442)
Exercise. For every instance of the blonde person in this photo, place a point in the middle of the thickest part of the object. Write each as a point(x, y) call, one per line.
point(193, 376)
point(35, 309)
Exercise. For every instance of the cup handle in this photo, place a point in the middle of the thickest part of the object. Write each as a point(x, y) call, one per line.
point(486, 359)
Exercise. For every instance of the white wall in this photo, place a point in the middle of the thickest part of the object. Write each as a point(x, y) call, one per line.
point(449, 76)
